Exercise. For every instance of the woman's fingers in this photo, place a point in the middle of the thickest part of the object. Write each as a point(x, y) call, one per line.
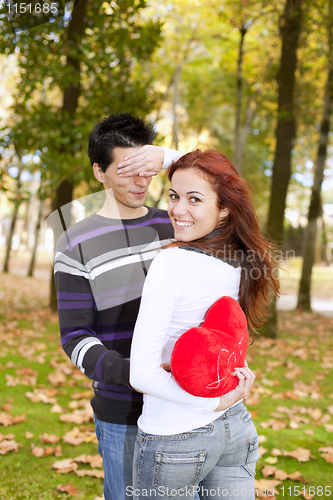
point(146, 161)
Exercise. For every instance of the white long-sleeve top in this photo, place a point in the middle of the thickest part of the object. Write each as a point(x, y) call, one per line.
point(180, 287)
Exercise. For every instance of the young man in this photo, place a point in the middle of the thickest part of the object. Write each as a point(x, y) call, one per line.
point(100, 266)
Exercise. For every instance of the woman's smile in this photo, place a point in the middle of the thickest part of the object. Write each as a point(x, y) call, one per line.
point(192, 208)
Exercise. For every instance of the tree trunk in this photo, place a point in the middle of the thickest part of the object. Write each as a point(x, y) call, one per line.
point(71, 94)
point(63, 197)
point(290, 27)
point(241, 143)
point(239, 87)
point(13, 222)
point(37, 230)
point(175, 104)
point(325, 254)
point(304, 293)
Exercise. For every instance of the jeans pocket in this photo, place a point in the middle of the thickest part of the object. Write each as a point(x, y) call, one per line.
point(252, 456)
point(177, 471)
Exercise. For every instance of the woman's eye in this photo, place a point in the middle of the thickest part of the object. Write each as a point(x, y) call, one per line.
point(194, 199)
point(173, 196)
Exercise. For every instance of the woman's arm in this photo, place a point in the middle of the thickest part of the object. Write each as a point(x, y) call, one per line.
point(160, 294)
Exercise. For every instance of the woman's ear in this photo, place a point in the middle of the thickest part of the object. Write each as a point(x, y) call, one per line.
point(224, 213)
point(98, 173)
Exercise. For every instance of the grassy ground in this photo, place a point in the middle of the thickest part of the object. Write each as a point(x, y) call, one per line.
point(291, 402)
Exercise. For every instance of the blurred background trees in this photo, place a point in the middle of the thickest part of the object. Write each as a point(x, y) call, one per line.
point(247, 77)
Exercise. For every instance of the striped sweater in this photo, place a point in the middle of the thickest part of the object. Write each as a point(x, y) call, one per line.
point(100, 267)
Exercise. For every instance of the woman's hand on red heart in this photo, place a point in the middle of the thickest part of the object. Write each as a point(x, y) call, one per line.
point(246, 378)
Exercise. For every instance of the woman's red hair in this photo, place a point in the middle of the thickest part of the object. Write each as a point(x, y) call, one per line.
point(240, 238)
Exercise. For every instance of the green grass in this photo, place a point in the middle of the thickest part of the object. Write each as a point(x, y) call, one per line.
point(25, 323)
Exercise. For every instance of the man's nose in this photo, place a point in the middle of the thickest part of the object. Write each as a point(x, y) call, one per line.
point(141, 181)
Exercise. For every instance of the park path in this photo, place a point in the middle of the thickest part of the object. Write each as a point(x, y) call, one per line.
point(289, 303)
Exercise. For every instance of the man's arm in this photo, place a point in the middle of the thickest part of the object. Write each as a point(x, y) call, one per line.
point(147, 161)
point(77, 311)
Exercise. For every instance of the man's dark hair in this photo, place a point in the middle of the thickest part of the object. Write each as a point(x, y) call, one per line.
point(122, 131)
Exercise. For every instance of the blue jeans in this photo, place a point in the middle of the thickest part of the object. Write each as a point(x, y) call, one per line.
point(217, 460)
point(116, 447)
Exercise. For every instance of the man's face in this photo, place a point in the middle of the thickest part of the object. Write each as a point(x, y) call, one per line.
point(129, 192)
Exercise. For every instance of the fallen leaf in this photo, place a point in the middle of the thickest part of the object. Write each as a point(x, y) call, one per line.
point(49, 438)
point(297, 476)
point(328, 457)
point(90, 472)
point(309, 432)
point(9, 445)
point(65, 466)
point(29, 435)
point(68, 488)
point(95, 461)
point(37, 451)
point(6, 419)
point(276, 452)
point(301, 454)
point(271, 460)
point(262, 451)
point(6, 436)
point(78, 416)
point(56, 408)
point(262, 438)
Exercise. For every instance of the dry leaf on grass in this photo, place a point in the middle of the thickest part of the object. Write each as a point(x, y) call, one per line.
point(90, 472)
point(49, 438)
point(42, 396)
point(56, 408)
point(95, 461)
point(262, 451)
point(78, 416)
point(9, 445)
point(6, 419)
point(28, 435)
point(263, 485)
point(76, 437)
point(269, 470)
point(68, 488)
point(309, 432)
point(37, 451)
point(301, 454)
point(6, 436)
point(65, 466)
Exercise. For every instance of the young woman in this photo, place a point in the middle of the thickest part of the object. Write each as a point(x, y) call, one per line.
point(187, 444)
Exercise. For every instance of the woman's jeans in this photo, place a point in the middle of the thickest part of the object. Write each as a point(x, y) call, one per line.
point(217, 460)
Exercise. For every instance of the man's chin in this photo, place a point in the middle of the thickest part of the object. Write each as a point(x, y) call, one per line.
point(137, 203)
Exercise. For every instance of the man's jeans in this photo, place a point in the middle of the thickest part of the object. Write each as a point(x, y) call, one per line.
point(217, 460)
point(116, 446)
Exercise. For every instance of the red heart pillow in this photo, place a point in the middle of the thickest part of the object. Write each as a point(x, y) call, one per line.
point(203, 358)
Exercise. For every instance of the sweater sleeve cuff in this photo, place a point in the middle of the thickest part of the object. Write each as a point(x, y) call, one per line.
point(170, 155)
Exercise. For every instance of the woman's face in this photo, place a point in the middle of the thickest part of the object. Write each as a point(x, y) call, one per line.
point(192, 205)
